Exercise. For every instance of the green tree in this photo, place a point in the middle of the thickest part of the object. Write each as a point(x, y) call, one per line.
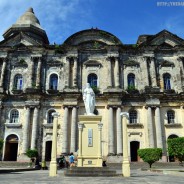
point(150, 155)
point(176, 148)
point(32, 153)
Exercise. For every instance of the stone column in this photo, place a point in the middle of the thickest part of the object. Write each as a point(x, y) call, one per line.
point(119, 131)
point(181, 115)
point(150, 128)
point(125, 162)
point(73, 130)
point(25, 144)
point(109, 72)
point(116, 72)
point(153, 72)
point(111, 132)
point(79, 162)
point(159, 134)
point(65, 130)
point(158, 128)
point(75, 72)
point(34, 128)
point(100, 125)
point(2, 72)
point(53, 163)
point(38, 72)
point(80, 127)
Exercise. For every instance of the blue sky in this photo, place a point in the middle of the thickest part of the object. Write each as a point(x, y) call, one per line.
point(126, 19)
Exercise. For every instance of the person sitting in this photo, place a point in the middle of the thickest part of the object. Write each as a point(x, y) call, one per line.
point(62, 161)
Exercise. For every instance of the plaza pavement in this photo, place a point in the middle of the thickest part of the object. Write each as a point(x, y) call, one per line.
point(41, 177)
point(138, 176)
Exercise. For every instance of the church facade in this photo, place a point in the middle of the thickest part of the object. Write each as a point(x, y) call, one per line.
point(145, 79)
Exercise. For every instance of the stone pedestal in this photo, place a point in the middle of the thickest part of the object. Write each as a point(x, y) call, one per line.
point(90, 149)
point(90, 172)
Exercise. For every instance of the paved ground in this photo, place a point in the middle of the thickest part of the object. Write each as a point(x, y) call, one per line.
point(137, 176)
point(41, 177)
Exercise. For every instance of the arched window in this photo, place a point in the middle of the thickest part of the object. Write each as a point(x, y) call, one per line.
point(170, 117)
point(131, 81)
point(50, 118)
point(53, 82)
point(167, 81)
point(14, 116)
point(133, 116)
point(93, 80)
point(18, 82)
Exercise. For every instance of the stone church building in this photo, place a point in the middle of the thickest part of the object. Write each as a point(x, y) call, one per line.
point(145, 79)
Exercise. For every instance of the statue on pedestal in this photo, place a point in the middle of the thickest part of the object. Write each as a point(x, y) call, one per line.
point(89, 99)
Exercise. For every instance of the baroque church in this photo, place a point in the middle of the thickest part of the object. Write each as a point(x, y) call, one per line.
point(145, 79)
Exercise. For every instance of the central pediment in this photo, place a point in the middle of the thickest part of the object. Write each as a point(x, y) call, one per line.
point(92, 35)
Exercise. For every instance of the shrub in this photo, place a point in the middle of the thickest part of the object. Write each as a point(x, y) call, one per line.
point(150, 155)
point(176, 148)
point(31, 153)
point(131, 87)
point(95, 89)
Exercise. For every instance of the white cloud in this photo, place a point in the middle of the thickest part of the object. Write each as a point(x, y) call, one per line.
point(59, 18)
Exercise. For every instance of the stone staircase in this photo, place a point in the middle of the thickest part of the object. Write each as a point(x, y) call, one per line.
point(13, 164)
point(90, 172)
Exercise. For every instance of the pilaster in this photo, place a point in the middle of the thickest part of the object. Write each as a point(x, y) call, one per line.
point(65, 131)
point(119, 131)
point(26, 132)
point(34, 128)
point(38, 72)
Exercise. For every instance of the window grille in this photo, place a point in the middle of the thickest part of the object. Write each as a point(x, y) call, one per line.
point(93, 80)
point(133, 117)
point(170, 117)
point(18, 82)
point(14, 117)
point(54, 82)
point(167, 82)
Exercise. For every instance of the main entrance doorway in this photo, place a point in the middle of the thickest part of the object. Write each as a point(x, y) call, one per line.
point(11, 148)
point(48, 149)
point(134, 146)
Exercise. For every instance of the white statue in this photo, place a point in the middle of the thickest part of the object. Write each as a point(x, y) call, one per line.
point(89, 99)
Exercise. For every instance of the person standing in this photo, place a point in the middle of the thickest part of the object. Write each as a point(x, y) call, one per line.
point(71, 160)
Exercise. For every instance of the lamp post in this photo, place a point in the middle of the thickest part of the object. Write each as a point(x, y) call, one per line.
point(53, 163)
point(125, 162)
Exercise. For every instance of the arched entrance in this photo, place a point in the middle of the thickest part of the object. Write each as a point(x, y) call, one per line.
point(11, 148)
point(48, 148)
point(171, 158)
point(134, 146)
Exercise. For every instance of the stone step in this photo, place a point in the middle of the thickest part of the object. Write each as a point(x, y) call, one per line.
point(90, 172)
point(11, 164)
